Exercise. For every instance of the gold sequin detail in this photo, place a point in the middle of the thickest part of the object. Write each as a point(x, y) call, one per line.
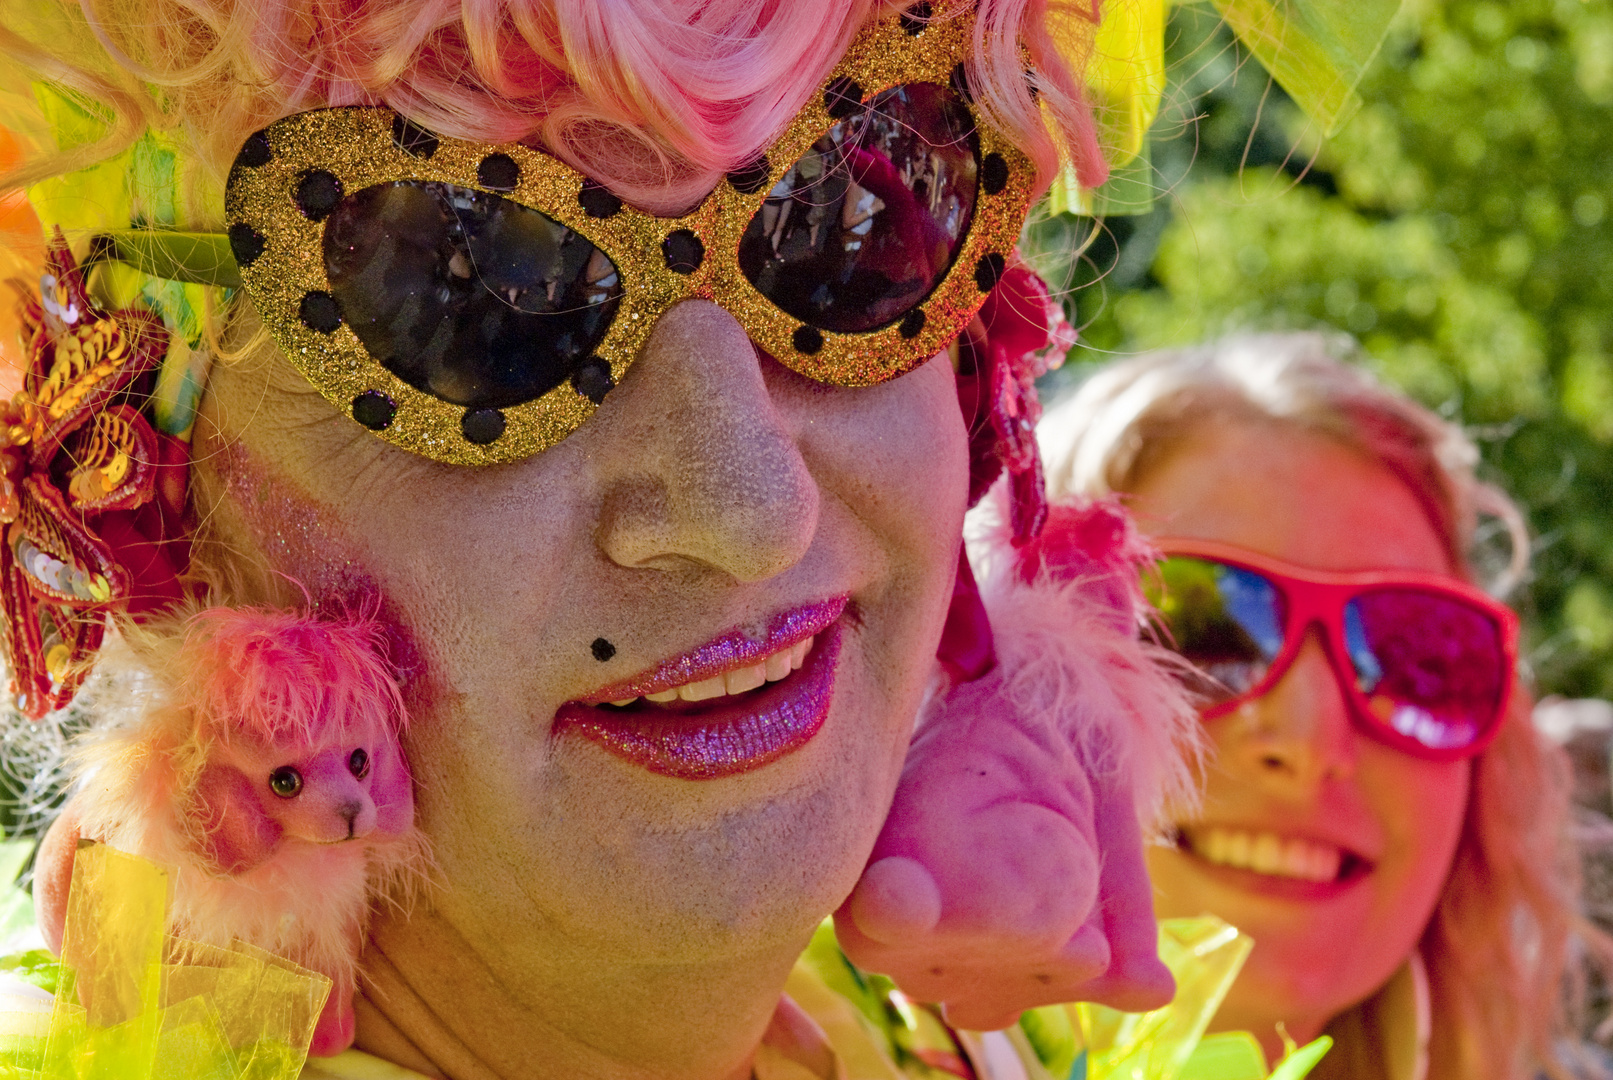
point(86, 355)
point(357, 146)
point(103, 459)
point(45, 555)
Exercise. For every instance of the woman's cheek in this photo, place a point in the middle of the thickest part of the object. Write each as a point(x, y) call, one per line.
point(1425, 804)
point(895, 454)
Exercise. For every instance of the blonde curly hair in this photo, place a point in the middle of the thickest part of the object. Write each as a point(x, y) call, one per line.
point(1501, 944)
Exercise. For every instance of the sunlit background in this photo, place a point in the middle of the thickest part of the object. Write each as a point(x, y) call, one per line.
point(1461, 226)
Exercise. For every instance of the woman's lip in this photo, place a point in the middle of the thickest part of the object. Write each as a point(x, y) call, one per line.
point(734, 649)
point(730, 735)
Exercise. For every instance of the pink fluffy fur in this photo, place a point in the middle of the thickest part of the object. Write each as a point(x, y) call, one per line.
point(181, 777)
point(1066, 610)
point(1009, 872)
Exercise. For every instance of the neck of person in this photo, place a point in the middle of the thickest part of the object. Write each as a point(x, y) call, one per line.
point(430, 1003)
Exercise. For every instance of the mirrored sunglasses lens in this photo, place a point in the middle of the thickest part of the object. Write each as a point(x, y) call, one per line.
point(1432, 668)
point(869, 221)
point(467, 296)
point(1226, 620)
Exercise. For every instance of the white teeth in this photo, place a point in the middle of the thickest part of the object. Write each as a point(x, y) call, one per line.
point(746, 678)
point(738, 681)
point(702, 690)
point(1266, 853)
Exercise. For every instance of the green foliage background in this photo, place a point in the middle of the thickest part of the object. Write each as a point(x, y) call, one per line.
point(1461, 226)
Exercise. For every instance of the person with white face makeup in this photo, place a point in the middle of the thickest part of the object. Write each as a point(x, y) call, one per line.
point(1378, 814)
point(656, 486)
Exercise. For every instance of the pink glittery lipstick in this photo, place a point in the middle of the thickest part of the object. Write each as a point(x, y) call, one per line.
point(727, 735)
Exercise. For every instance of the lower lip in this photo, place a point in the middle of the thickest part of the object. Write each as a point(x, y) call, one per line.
point(726, 738)
point(1273, 886)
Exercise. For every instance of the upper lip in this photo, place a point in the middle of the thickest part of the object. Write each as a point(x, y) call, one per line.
point(728, 651)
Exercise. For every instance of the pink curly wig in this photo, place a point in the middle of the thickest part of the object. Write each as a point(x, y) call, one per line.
point(654, 97)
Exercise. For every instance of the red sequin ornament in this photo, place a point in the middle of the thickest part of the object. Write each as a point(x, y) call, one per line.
point(93, 497)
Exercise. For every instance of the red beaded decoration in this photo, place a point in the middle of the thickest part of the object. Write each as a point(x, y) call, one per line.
point(91, 495)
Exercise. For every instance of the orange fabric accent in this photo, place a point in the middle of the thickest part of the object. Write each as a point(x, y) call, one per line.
point(22, 246)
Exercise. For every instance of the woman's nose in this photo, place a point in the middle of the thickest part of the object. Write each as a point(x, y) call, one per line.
point(702, 468)
point(1299, 733)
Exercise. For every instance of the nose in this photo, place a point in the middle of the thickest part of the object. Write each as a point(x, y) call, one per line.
point(1298, 734)
point(349, 812)
point(701, 468)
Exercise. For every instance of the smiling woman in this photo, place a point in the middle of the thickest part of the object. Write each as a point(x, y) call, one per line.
point(1379, 815)
point(598, 355)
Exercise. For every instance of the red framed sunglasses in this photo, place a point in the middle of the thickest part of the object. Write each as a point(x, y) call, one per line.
point(1425, 662)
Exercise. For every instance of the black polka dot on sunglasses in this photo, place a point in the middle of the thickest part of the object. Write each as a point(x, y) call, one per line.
point(490, 296)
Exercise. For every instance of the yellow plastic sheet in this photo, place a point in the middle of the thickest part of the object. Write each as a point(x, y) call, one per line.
point(134, 1003)
point(1205, 956)
point(1125, 77)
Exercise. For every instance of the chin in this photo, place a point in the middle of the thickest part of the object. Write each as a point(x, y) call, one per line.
point(770, 868)
point(621, 860)
point(1309, 979)
point(1310, 958)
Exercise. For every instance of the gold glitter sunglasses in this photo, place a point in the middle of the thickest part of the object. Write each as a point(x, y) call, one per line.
point(475, 303)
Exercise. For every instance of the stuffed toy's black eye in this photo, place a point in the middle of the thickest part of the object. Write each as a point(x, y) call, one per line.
point(285, 782)
point(359, 763)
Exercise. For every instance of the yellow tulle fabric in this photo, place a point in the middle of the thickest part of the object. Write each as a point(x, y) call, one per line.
point(134, 1003)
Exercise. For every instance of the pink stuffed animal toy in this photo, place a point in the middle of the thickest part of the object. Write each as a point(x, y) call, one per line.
point(262, 767)
point(1009, 873)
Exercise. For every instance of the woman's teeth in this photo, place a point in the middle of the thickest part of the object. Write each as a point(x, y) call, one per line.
point(738, 681)
point(1266, 853)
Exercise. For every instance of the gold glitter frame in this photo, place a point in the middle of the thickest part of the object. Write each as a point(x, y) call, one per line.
point(280, 252)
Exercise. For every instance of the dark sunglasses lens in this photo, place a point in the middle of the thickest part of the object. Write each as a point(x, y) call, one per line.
point(1226, 620)
point(467, 296)
point(871, 218)
point(1432, 668)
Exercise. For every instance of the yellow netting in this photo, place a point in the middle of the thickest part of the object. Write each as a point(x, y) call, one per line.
point(135, 1003)
point(1205, 956)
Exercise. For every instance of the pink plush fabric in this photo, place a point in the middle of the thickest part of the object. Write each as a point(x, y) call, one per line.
point(183, 777)
point(1009, 873)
